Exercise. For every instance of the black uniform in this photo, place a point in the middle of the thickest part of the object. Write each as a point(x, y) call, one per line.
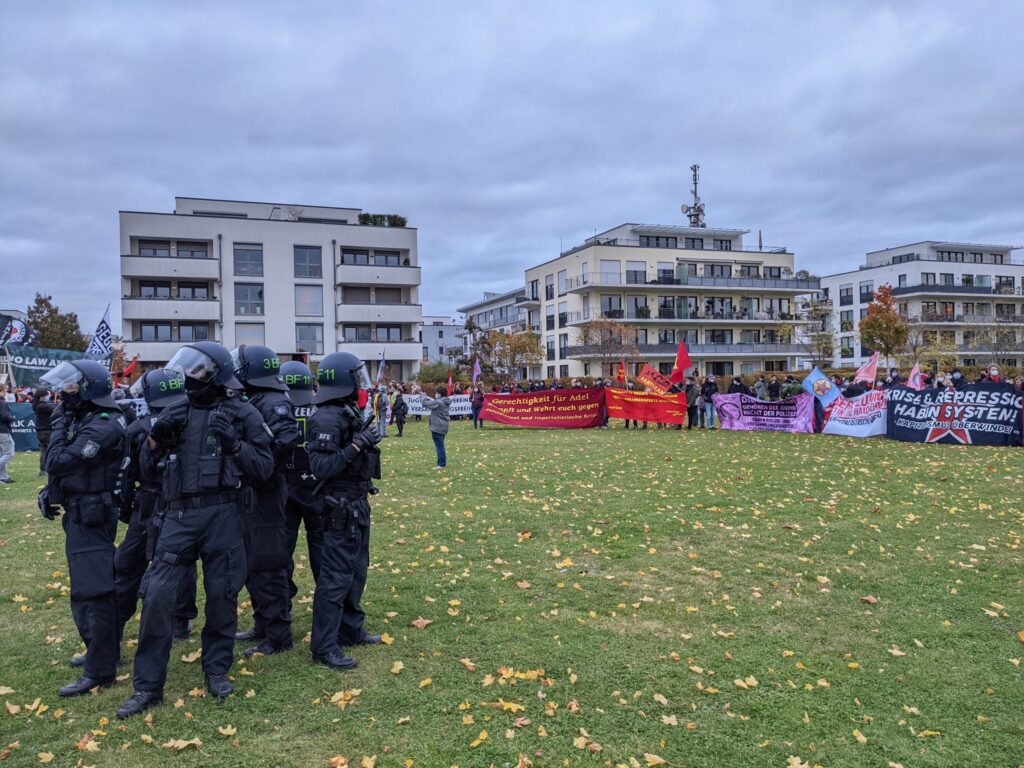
point(266, 540)
point(84, 462)
point(347, 473)
point(201, 489)
point(301, 507)
point(136, 550)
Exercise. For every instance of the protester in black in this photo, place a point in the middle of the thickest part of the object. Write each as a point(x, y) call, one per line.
point(42, 407)
point(399, 411)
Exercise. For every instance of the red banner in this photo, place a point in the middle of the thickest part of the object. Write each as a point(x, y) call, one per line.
point(645, 406)
point(653, 379)
point(552, 408)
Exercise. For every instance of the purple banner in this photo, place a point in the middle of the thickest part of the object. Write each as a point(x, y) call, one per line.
point(794, 414)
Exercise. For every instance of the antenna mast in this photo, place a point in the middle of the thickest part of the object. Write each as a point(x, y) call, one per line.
point(695, 212)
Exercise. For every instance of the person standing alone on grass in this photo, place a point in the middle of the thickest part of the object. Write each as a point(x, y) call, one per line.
point(439, 418)
point(6, 438)
point(399, 411)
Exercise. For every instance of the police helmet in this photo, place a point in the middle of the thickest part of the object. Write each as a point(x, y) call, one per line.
point(299, 380)
point(207, 362)
point(340, 375)
point(258, 366)
point(88, 378)
point(160, 388)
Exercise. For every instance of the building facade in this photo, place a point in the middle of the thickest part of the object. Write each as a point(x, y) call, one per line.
point(304, 280)
point(966, 297)
point(736, 307)
point(442, 339)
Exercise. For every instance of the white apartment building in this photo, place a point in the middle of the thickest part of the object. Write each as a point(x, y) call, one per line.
point(442, 339)
point(969, 295)
point(735, 306)
point(304, 280)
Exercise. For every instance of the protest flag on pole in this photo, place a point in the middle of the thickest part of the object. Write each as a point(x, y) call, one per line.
point(682, 363)
point(476, 370)
point(99, 347)
point(915, 380)
point(867, 371)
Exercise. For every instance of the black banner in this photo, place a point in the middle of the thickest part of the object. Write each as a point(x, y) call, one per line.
point(979, 414)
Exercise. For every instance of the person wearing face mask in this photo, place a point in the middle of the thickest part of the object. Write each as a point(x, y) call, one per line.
point(42, 407)
point(85, 463)
point(201, 451)
point(993, 375)
point(957, 379)
point(709, 388)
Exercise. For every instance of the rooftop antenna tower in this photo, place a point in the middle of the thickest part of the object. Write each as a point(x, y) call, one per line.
point(694, 212)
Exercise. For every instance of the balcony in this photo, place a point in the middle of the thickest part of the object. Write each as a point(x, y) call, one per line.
point(528, 301)
point(957, 290)
point(350, 312)
point(704, 350)
point(971, 319)
point(139, 308)
point(660, 314)
point(393, 350)
point(372, 274)
point(680, 245)
point(169, 266)
point(153, 351)
point(627, 281)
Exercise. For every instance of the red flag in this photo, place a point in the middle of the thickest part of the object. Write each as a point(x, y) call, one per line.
point(867, 371)
point(622, 372)
point(451, 386)
point(682, 363)
point(915, 380)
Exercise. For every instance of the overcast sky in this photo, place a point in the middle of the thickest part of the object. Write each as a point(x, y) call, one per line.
point(504, 130)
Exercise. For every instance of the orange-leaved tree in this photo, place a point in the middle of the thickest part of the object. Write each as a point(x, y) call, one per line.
point(884, 329)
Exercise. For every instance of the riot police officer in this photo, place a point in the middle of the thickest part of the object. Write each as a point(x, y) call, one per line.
point(301, 507)
point(159, 388)
point(201, 451)
point(343, 455)
point(259, 370)
point(87, 455)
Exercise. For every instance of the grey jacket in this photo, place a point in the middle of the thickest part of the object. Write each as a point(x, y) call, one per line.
point(439, 417)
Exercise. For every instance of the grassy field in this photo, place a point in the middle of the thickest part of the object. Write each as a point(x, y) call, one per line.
point(601, 598)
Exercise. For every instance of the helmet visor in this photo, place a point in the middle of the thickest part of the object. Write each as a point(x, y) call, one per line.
point(362, 377)
point(193, 364)
point(139, 387)
point(237, 363)
point(64, 378)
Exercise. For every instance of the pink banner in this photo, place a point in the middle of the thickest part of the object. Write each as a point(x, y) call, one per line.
point(794, 414)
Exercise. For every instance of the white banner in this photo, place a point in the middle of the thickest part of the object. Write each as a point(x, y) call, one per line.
point(460, 406)
point(863, 416)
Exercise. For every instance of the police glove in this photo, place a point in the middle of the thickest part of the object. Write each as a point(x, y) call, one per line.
point(165, 432)
point(227, 434)
point(46, 509)
point(366, 438)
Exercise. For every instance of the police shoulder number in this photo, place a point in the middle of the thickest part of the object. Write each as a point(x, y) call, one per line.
point(282, 409)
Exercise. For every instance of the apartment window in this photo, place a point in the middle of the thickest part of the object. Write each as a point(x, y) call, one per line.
point(563, 314)
point(309, 301)
point(563, 282)
point(155, 248)
point(1006, 310)
point(563, 371)
point(154, 290)
point(551, 371)
point(1004, 284)
point(389, 333)
point(717, 270)
point(723, 245)
point(666, 272)
point(533, 290)
point(426, 352)
point(355, 257)
point(945, 278)
point(903, 308)
point(248, 260)
point(901, 281)
point(750, 270)
point(250, 333)
point(718, 337)
point(193, 291)
point(191, 250)
point(550, 348)
point(650, 241)
point(563, 344)
point(636, 306)
point(928, 278)
point(549, 317)
point(845, 295)
point(863, 312)
point(690, 268)
point(611, 306)
point(193, 332)
point(309, 337)
point(308, 261)
point(388, 295)
point(867, 291)
point(846, 320)
point(750, 337)
point(846, 346)
point(983, 281)
point(355, 333)
point(665, 368)
point(641, 336)
point(636, 272)
point(387, 258)
point(248, 298)
point(773, 273)
point(666, 336)
point(610, 272)
point(155, 331)
point(549, 287)
point(697, 243)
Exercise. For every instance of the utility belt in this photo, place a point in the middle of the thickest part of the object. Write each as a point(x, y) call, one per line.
point(90, 509)
point(202, 500)
point(341, 514)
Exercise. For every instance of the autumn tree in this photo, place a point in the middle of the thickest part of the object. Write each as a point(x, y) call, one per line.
point(884, 329)
point(929, 347)
point(55, 329)
point(606, 342)
point(511, 352)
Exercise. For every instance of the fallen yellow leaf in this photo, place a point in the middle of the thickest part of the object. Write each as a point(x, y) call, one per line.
point(45, 757)
point(397, 667)
point(425, 682)
point(227, 730)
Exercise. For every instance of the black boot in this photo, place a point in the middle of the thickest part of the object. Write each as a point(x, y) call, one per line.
point(248, 636)
point(77, 662)
point(266, 648)
point(182, 630)
point(368, 639)
point(219, 686)
point(84, 684)
point(336, 660)
point(138, 703)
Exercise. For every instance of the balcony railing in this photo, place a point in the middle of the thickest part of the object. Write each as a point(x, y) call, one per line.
point(625, 280)
point(989, 258)
point(168, 255)
point(668, 313)
point(680, 245)
point(974, 290)
point(704, 350)
point(170, 298)
point(975, 319)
